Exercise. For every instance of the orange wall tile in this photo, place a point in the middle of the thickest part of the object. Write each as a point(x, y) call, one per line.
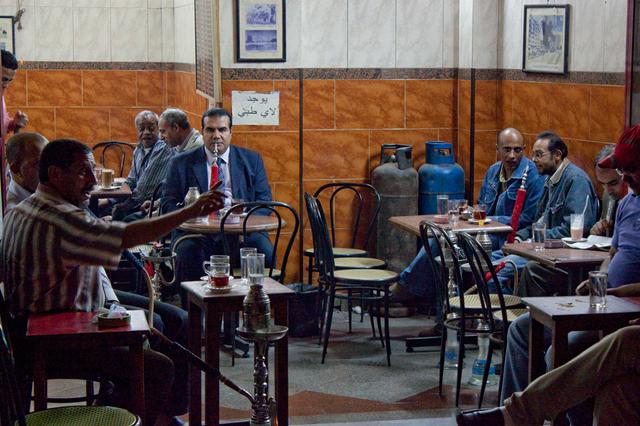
point(279, 152)
point(569, 110)
point(486, 105)
point(464, 104)
point(336, 154)
point(530, 112)
point(151, 88)
point(377, 104)
point(431, 103)
point(89, 125)
point(41, 120)
point(109, 88)
point(415, 138)
point(607, 113)
point(16, 94)
point(318, 104)
point(52, 88)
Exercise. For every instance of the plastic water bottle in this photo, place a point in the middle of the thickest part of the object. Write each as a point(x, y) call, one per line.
point(477, 371)
point(192, 196)
point(451, 350)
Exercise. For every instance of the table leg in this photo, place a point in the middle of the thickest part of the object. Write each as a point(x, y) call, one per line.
point(136, 381)
point(39, 379)
point(212, 321)
point(536, 350)
point(281, 363)
point(559, 341)
point(195, 346)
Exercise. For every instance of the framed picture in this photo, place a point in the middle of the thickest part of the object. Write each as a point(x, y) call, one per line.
point(546, 39)
point(260, 31)
point(7, 35)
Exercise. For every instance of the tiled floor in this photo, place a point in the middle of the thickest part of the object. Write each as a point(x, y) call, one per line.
point(354, 386)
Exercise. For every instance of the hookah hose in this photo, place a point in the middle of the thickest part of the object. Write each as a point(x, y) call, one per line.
point(199, 362)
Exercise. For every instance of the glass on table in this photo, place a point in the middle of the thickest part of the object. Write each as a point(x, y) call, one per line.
point(598, 283)
point(97, 171)
point(480, 213)
point(244, 265)
point(539, 235)
point(454, 215)
point(577, 226)
point(442, 204)
point(255, 266)
point(217, 270)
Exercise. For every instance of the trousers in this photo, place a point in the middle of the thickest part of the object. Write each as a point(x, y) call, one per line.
point(607, 371)
point(540, 281)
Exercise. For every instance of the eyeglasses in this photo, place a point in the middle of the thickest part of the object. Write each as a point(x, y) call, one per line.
point(508, 150)
point(622, 171)
point(538, 155)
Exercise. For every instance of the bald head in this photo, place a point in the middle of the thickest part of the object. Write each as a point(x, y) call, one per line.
point(510, 149)
point(23, 156)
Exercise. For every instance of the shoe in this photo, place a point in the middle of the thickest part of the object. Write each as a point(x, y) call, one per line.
point(489, 417)
point(433, 331)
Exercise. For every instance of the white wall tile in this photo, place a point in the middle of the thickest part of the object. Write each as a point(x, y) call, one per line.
point(294, 34)
point(180, 3)
point(12, 3)
point(485, 34)
point(53, 3)
point(129, 35)
point(371, 33)
point(91, 3)
point(510, 34)
point(26, 37)
point(227, 34)
point(167, 3)
point(154, 23)
point(419, 33)
point(587, 32)
point(54, 34)
point(615, 35)
point(465, 27)
point(91, 34)
point(129, 3)
point(324, 34)
point(450, 33)
point(184, 35)
point(168, 42)
point(154, 4)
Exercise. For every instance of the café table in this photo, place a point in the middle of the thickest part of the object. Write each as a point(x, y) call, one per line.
point(412, 224)
point(117, 193)
point(573, 261)
point(75, 331)
point(211, 225)
point(212, 306)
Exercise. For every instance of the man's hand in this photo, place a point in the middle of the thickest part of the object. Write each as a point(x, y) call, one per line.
point(145, 206)
point(20, 120)
point(207, 203)
point(583, 288)
point(627, 290)
point(601, 228)
point(635, 321)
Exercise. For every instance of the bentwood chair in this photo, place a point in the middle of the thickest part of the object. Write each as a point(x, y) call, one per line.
point(12, 407)
point(373, 284)
point(110, 150)
point(498, 309)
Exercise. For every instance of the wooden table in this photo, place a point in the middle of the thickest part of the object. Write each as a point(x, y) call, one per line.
point(570, 313)
point(412, 224)
point(574, 261)
point(118, 193)
point(211, 225)
point(214, 305)
point(75, 331)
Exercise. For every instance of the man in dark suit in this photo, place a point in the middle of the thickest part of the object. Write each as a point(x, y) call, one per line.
point(244, 178)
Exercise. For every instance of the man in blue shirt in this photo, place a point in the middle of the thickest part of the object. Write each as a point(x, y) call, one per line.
point(498, 192)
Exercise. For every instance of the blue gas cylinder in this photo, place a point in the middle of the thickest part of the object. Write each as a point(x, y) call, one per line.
point(439, 175)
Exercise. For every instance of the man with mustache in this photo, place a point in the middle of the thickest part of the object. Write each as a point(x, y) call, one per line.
point(243, 175)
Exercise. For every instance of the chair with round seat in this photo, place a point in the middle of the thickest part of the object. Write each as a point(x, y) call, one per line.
point(108, 149)
point(373, 284)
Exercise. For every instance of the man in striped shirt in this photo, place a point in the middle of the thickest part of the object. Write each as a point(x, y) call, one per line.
point(55, 253)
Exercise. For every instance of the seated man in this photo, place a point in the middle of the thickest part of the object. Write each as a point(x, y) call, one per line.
point(148, 168)
point(537, 279)
point(243, 176)
point(566, 191)
point(48, 266)
point(176, 131)
point(623, 266)
point(498, 193)
point(23, 155)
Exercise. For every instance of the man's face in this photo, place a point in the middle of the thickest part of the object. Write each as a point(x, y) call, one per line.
point(147, 128)
point(29, 166)
point(169, 133)
point(217, 133)
point(7, 77)
point(545, 161)
point(611, 182)
point(76, 182)
point(510, 151)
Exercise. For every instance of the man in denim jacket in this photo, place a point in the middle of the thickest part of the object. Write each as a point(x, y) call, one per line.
point(566, 191)
point(504, 178)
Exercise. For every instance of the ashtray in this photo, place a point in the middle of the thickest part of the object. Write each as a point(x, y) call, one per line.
point(105, 322)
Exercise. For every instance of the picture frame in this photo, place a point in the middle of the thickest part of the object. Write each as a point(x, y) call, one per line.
point(7, 34)
point(260, 31)
point(545, 45)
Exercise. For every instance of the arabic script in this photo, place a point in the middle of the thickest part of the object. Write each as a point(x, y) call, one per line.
point(259, 109)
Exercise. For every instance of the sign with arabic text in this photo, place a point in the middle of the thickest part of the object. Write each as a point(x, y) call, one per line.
point(258, 109)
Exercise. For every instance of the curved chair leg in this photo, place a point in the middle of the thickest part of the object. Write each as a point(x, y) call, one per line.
point(350, 307)
point(378, 318)
point(485, 374)
point(370, 309)
point(460, 363)
point(443, 345)
point(323, 313)
point(327, 328)
point(362, 306)
point(504, 352)
point(386, 323)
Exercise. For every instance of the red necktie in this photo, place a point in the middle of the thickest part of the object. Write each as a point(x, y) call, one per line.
point(214, 175)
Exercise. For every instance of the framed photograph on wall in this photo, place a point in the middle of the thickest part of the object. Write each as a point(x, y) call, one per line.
point(7, 34)
point(546, 39)
point(260, 31)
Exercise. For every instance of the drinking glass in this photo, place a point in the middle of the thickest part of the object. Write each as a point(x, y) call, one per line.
point(539, 235)
point(454, 214)
point(442, 204)
point(480, 213)
point(462, 206)
point(598, 289)
point(577, 226)
point(97, 171)
point(244, 266)
point(217, 270)
point(255, 266)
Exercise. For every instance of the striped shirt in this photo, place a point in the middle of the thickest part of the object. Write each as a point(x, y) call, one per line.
point(54, 254)
point(141, 161)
